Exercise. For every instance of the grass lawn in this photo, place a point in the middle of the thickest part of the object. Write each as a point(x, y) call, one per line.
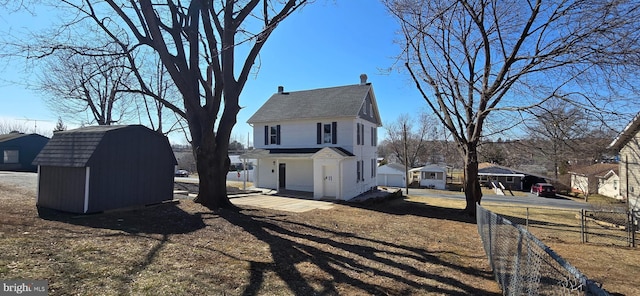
point(412, 246)
point(393, 248)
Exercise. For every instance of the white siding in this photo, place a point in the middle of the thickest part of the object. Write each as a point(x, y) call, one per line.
point(267, 173)
point(610, 186)
point(299, 174)
point(303, 134)
point(580, 184)
point(630, 172)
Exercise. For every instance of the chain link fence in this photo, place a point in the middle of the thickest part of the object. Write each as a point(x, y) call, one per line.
point(523, 265)
point(604, 226)
point(613, 227)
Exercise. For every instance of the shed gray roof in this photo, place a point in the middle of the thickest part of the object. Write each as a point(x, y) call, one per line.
point(74, 148)
point(341, 101)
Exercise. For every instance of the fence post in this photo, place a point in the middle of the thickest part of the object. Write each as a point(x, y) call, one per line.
point(633, 228)
point(583, 234)
point(527, 221)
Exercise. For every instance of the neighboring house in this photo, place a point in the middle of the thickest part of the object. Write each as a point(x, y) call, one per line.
point(99, 168)
point(609, 184)
point(322, 141)
point(591, 179)
point(628, 145)
point(510, 178)
point(414, 176)
point(18, 151)
point(433, 176)
point(391, 174)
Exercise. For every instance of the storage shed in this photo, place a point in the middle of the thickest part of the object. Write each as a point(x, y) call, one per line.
point(18, 151)
point(100, 168)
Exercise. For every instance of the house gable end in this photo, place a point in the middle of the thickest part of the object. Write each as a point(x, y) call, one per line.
point(369, 109)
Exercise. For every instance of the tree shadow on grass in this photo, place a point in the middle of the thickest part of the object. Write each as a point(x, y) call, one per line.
point(156, 223)
point(344, 260)
point(164, 219)
point(402, 206)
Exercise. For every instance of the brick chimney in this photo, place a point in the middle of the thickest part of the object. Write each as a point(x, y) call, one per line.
point(363, 79)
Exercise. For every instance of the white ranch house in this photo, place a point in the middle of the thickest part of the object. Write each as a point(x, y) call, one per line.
point(433, 176)
point(322, 141)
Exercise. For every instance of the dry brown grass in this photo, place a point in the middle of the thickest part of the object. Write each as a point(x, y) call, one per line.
point(401, 247)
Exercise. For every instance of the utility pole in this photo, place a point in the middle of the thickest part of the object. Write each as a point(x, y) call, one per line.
point(406, 165)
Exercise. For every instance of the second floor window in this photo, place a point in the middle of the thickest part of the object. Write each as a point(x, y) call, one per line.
point(272, 135)
point(327, 134)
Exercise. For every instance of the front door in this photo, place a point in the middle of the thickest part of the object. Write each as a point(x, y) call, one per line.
point(329, 182)
point(282, 176)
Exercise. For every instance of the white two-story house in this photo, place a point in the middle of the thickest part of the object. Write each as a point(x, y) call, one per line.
point(322, 141)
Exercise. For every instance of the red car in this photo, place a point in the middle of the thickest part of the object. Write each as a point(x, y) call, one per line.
point(543, 189)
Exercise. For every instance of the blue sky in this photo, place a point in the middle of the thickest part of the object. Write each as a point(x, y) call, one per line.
point(325, 44)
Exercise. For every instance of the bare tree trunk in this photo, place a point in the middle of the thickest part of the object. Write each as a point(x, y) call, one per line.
point(472, 189)
point(213, 164)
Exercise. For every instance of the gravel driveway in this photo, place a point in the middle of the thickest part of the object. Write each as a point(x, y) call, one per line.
point(28, 181)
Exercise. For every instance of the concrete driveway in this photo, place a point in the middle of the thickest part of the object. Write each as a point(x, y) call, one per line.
point(280, 203)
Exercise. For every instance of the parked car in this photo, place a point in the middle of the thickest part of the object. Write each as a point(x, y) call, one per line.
point(182, 173)
point(543, 189)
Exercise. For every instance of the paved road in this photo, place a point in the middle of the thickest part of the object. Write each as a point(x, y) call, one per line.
point(528, 200)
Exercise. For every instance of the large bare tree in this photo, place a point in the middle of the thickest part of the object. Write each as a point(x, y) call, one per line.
point(196, 42)
point(419, 136)
point(472, 58)
point(88, 88)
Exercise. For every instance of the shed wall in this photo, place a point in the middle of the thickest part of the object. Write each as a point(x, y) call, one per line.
point(62, 188)
point(131, 168)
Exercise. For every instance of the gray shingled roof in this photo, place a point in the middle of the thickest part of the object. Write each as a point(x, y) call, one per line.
point(9, 137)
point(341, 101)
point(73, 148)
